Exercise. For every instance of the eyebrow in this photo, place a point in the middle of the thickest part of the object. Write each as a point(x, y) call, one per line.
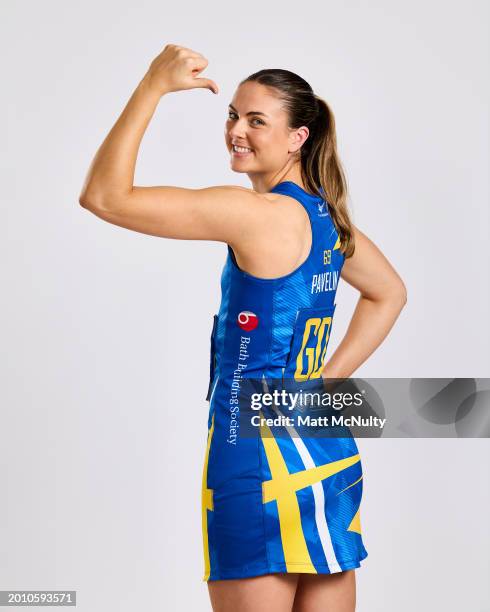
point(249, 113)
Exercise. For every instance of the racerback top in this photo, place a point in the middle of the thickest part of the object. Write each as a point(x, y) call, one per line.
point(279, 327)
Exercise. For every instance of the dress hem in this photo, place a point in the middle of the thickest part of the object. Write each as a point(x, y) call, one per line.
point(299, 568)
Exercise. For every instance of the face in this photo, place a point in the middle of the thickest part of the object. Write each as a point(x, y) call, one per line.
point(258, 125)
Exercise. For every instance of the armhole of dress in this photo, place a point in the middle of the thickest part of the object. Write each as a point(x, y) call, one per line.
point(232, 255)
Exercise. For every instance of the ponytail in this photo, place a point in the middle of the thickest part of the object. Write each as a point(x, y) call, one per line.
point(321, 169)
point(322, 172)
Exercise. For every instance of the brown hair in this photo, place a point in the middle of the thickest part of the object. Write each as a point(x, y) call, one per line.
point(320, 164)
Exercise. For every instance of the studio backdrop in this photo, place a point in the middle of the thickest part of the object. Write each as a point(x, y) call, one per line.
point(105, 331)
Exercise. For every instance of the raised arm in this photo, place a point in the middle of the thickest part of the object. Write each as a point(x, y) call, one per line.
point(214, 213)
point(383, 296)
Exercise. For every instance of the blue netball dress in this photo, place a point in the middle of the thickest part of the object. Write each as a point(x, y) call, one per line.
point(277, 503)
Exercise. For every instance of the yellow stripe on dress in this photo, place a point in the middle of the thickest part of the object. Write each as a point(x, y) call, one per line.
point(206, 503)
point(293, 540)
point(282, 488)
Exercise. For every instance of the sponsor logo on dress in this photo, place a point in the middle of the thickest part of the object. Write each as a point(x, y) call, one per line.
point(247, 320)
point(322, 212)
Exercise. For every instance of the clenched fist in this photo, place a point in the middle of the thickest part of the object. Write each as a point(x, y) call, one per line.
point(177, 68)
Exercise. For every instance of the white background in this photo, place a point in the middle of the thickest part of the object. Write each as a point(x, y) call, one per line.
point(105, 331)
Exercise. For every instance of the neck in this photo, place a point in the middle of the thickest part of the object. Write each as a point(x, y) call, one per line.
point(264, 182)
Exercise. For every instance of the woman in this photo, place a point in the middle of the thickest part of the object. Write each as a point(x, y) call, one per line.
point(269, 543)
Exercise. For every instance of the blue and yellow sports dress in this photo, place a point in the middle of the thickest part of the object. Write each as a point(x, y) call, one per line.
point(277, 503)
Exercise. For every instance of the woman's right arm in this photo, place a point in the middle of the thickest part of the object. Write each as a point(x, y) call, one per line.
point(231, 214)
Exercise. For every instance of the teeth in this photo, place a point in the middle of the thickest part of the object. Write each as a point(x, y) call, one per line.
point(241, 149)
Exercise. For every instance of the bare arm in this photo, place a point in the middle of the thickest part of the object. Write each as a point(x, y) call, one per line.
point(220, 213)
point(382, 298)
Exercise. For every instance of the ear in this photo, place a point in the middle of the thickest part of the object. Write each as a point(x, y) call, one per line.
point(297, 138)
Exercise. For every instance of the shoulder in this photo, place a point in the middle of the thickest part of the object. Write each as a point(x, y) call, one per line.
point(233, 198)
point(285, 207)
point(246, 218)
point(260, 207)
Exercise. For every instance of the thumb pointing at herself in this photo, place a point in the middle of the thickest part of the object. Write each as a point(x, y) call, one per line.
point(177, 68)
point(202, 82)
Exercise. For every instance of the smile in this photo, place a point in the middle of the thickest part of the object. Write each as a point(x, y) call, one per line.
point(241, 150)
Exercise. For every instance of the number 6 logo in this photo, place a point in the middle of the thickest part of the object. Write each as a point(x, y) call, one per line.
point(313, 356)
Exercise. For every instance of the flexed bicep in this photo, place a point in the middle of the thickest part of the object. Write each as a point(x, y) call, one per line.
point(221, 213)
